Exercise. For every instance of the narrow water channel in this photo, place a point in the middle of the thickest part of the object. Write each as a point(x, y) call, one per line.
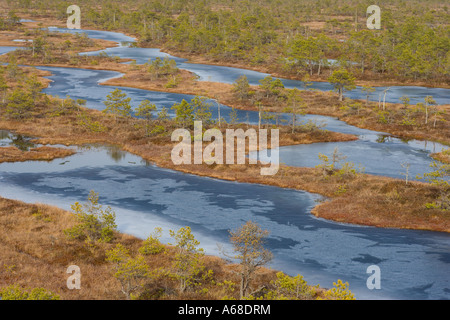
point(414, 264)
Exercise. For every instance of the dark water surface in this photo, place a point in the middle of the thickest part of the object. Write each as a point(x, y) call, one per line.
point(4, 50)
point(414, 264)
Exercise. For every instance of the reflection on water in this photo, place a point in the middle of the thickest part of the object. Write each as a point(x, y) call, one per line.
point(4, 135)
point(21, 143)
point(382, 138)
point(116, 153)
point(16, 140)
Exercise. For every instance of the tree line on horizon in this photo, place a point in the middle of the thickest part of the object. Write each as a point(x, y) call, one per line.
point(412, 44)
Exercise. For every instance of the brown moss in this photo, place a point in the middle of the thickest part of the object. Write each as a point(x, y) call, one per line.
point(13, 154)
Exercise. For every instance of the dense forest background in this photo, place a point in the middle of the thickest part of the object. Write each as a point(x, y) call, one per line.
point(291, 37)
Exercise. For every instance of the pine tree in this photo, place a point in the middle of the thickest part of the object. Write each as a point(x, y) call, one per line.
point(94, 222)
point(3, 85)
point(429, 101)
point(241, 87)
point(342, 80)
point(367, 90)
point(248, 243)
point(295, 107)
point(129, 271)
point(184, 113)
point(145, 110)
point(34, 87)
point(163, 115)
point(118, 104)
point(233, 116)
point(201, 109)
point(19, 104)
point(188, 265)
